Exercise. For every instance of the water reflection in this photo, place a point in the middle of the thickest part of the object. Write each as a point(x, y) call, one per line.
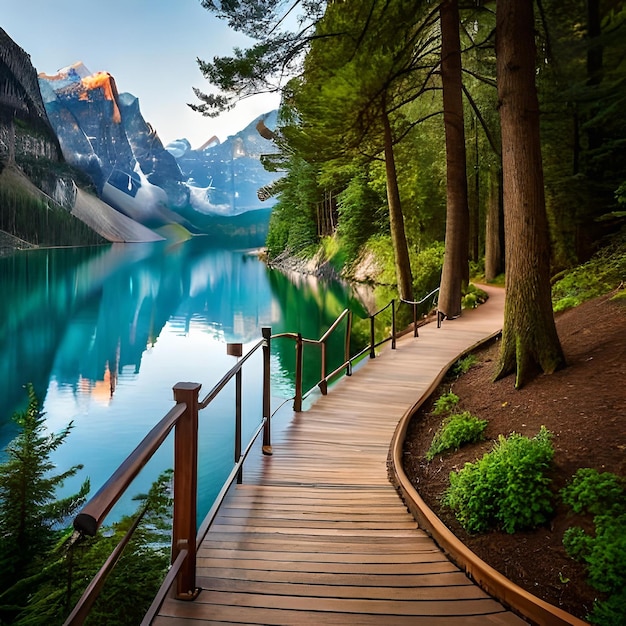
point(104, 333)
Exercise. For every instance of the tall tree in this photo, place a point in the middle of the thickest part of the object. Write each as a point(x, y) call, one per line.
point(530, 342)
point(364, 63)
point(455, 272)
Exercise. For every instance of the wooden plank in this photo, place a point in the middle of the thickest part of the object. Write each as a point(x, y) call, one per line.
point(437, 593)
point(428, 576)
point(243, 615)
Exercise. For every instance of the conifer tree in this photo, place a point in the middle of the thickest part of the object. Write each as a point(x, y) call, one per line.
point(29, 510)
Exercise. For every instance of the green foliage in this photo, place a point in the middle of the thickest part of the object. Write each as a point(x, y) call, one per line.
point(381, 249)
point(445, 403)
point(610, 611)
point(43, 571)
point(29, 511)
point(28, 508)
point(455, 430)
point(603, 273)
point(130, 588)
point(507, 488)
point(603, 496)
point(595, 492)
point(41, 222)
point(463, 365)
point(473, 296)
point(362, 213)
point(293, 224)
point(426, 265)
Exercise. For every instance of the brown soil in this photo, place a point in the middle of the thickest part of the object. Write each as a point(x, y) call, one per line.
point(582, 405)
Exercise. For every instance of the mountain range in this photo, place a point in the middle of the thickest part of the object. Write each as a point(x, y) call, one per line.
point(129, 187)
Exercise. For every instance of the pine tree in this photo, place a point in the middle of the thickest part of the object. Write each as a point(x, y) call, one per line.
point(131, 586)
point(29, 511)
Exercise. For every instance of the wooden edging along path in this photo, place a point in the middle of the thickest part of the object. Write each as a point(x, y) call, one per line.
point(317, 533)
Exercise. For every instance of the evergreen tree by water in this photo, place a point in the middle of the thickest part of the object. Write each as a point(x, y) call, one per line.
point(44, 566)
point(30, 514)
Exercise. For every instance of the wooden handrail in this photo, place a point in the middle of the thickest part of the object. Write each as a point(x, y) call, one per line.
point(183, 418)
point(415, 304)
point(95, 511)
point(349, 360)
point(228, 376)
point(91, 593)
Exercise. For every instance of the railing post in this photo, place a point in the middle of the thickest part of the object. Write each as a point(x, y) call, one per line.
point(297, 400)
point(372, 339)
point(185, 489)
point(393, 324)
point(347, 355)
point(415, 332)
point(323, 385)
point(267, 429)
point(236, 349)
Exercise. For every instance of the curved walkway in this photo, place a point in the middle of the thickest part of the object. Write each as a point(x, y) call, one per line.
point(317, 533)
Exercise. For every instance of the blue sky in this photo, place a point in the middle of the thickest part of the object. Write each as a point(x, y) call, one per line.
point(149, 46)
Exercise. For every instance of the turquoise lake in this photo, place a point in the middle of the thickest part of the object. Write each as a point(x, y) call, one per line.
point(104, 334)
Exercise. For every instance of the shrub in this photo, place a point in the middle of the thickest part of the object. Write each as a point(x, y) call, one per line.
point(508, 488)
point(445, 403)
point(455, 430)
point(602, 495)
point(463, 365)
point(427, 266)
point(473, 296)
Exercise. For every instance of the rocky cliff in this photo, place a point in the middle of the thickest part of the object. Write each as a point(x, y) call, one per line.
point(25, 130)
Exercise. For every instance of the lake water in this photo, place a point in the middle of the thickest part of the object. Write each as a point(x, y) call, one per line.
point(104, 334)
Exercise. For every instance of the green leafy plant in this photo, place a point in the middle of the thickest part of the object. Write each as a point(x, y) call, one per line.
point(455, 430)
point(507, 488)
point(473, 296)
point(445, 403)
point(463, 365)
point(602, 495)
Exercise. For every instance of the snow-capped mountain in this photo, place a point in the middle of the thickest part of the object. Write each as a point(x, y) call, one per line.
point(224, 178)
point(103, 132)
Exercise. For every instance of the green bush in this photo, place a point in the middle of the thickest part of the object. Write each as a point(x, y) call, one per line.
point(463, 365)
point(426, 266)
point(508, 488)
point(445, 403)
point(455, 430)
point(602, 495)
point(473, 296)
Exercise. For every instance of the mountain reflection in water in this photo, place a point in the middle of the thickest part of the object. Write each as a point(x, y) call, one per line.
point(104, 334)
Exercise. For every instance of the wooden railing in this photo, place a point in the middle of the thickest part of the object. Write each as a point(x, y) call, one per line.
point(349, 360)
point(183, 419)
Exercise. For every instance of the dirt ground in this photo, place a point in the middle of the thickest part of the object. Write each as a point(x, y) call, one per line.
point(582, 405)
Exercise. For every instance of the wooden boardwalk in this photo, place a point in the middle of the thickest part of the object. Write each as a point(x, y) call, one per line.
point(317, 534)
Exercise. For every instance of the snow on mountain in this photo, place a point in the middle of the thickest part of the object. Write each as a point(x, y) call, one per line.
point(103, 133)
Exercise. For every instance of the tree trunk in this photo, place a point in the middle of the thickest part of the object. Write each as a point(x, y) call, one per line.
point(455, 273)
point(396, 219)
point(529, 343)
point(493, 227)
